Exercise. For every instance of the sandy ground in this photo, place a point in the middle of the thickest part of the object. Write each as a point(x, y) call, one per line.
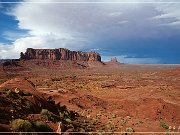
point(142, 98)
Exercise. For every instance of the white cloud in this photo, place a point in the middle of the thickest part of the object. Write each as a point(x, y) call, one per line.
point(123, 22)
point(169, 11)
point(75, 19)
point(176, 23)
point(89, 20)
point(115, 14)
point(161, 16)
point(81, 26)
point(7, 51)
point(13, 35)
point(43, 41)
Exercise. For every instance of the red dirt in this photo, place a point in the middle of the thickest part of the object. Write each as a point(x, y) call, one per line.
point(124, 96)
point(20, 83)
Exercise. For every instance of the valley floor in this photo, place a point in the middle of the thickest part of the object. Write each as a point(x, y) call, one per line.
point(123, 98)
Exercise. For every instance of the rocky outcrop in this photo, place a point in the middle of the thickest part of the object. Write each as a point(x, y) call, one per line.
point(59, 54)
point(113, 62)
point(114, 59)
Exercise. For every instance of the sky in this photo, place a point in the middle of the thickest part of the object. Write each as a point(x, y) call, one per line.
point(133, 31)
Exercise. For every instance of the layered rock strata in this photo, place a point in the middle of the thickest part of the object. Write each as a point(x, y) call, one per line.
point(59, 54)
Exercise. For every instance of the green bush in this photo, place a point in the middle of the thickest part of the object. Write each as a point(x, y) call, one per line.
point(42, 126)
point(46, 114)
point(164, 125)
point(20, 125)
point(29, 104)
point(4, 90)
point(129, 130)
point(10, 93)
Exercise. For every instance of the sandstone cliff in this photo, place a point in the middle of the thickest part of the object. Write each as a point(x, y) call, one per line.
point(59, 54)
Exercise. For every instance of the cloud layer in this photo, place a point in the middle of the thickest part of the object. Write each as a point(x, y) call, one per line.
point(93, 26)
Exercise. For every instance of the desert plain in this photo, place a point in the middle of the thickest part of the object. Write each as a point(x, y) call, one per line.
point(91, 97)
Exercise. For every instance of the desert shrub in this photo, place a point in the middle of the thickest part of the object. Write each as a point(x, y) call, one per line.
point(46, 114)
point(61, 114)
point(4, 90)
point(26, 93)
point(42, 126)
point(129, 130)
point(64, 113)
point(20, 125)
point(68, 120)
point(29, 104)
point(10, 93)
point(101, 132)
point(164, 125)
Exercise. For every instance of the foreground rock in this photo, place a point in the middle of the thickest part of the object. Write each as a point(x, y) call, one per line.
point(19, 83)
point(24, 109)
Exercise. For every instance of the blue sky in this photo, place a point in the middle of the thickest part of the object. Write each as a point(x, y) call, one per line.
point(132, 32)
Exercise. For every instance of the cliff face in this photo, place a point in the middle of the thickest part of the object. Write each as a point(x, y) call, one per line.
point(59, 54)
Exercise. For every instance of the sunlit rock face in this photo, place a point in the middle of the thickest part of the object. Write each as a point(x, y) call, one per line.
point(59, 54)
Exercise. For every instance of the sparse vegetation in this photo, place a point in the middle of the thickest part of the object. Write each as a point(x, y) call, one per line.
point(4, 90)
point(163, 125)
point(64, 113)
point(68, 120)
point(124, 111)
point(29, 104)
point(10, 93)
point(26, 93)
point(20, 125)
point(42, 126)
point(46, 114)
point(130, 129)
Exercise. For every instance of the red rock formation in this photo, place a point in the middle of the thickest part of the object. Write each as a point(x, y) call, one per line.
point(114, 59)
point(59, 54)
point(113, 62)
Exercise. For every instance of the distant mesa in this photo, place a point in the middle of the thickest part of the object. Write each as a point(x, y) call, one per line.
point(113, 61)
point(59, 54)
